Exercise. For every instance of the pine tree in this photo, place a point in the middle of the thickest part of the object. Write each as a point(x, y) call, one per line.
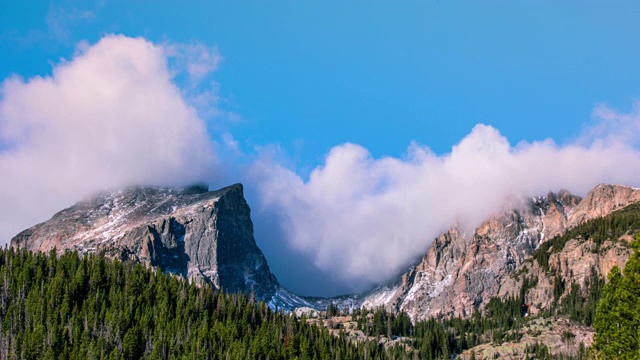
point(618, 313)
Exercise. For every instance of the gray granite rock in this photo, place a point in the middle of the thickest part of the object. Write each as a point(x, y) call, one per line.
point(205, 236)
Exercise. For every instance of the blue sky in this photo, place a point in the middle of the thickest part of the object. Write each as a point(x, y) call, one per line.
point(314, 107)
point(311, 75)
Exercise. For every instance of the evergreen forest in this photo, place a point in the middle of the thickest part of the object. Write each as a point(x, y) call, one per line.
point(90, 307)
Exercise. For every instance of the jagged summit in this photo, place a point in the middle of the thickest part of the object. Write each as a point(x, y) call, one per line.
point(459, 274)
point(151, 199)
point(105, 215)
point(192, 232)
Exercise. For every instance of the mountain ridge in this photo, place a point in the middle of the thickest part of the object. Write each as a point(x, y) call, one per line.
point(460, 273)
point(190, 232)
point(204, 236)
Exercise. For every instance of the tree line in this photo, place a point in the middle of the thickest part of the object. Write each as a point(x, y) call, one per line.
point(89, 307)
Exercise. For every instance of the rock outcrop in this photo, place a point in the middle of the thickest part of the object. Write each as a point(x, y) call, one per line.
point(577, 263)
point(205, 236)
point(561, 336)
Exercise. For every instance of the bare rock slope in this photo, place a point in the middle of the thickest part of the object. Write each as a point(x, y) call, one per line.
point(460, 273)
point(205, 236)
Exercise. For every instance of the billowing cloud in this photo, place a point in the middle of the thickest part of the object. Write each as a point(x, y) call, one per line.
point(613, 127)
point(127, 111)
point(362, 220)
point(109, 117)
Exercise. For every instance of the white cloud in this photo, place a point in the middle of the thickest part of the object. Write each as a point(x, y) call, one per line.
point(612, 126)
point(193, 64)
point(113, 116)
point(60, 21)
point(363, 219)
point(109, 117)
point(195, 59)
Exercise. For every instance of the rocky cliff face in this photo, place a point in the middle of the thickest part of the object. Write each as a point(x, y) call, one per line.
point(205, 236)
point(460, 273)
point(576, 263)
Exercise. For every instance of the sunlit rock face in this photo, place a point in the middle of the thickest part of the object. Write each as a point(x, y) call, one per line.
point(205, 236)
point(461, 272)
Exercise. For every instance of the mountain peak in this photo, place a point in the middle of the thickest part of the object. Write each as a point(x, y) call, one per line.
point(601, 201)
point(190, 231)
point(460, 274)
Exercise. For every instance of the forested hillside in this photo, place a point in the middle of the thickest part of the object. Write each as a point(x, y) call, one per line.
point(73, 307)
point(89, 307)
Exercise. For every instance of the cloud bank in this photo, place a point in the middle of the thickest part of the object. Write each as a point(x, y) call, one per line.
point(126, 111)
point(111, 116)
point(362, 220)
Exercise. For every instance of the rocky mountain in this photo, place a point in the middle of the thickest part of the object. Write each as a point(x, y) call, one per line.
point(461, 272)
point(208, 236)
point(205, 236)
point(539, 249)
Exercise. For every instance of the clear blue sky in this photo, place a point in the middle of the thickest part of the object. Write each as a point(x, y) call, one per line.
point(311, 75)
